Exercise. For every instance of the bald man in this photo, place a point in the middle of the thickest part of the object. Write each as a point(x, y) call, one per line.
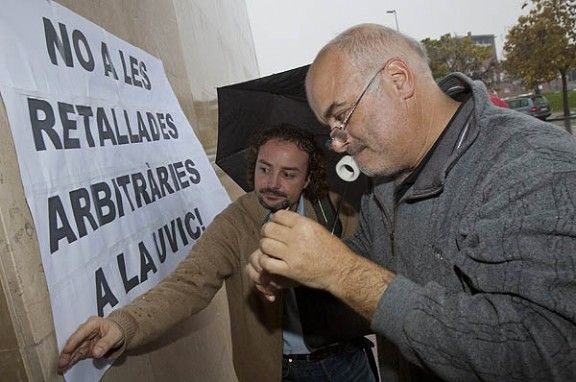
point(465, 259)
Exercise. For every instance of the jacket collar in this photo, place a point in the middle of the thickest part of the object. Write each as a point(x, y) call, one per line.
point(428, 178)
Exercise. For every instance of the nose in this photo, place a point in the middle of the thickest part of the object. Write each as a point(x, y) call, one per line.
point(338, 140)
point(273, 181)
point(336, 145)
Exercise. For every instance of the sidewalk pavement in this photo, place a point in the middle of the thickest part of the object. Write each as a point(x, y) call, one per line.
point(560, 115)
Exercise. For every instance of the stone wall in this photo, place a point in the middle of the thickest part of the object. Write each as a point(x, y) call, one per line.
point(203, 45)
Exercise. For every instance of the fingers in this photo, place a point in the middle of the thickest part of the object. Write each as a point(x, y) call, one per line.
point(296, 248)
point(112, 338)
point(263, 284)
point(93, 339)
point(84, 331)
point(73, 352)
point(261, 278)
point(253, 266)
point(287, 226)
point(64, 362)
point(254, 271)
point(268, 291)
point(276, 231)
point(286, 218)
point(272, 264)
point(271, 248)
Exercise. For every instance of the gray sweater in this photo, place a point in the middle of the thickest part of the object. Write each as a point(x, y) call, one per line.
point(483, 244)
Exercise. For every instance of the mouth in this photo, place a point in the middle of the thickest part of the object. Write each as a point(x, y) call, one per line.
point(272, 197)
point(273, 200)
point(271, 194)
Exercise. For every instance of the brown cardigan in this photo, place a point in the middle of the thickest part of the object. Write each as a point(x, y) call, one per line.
point(221, 254)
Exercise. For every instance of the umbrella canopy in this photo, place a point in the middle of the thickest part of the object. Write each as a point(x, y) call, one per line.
point(246, 108)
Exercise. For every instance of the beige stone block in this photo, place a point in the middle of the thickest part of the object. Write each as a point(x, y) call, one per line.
point(7, 334)
point(21, 272)
point(11, 366)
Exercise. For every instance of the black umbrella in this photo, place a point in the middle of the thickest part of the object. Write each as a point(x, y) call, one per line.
point(244, 109)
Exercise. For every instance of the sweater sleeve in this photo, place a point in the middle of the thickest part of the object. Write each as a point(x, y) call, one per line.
point(188, 289)
point(515, 317)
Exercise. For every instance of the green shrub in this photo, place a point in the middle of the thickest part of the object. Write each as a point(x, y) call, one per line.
point(555, 99)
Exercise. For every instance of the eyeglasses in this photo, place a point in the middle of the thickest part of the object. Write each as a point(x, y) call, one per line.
point(338, 131)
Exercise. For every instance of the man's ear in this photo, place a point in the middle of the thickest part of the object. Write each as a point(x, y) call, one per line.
point(402, 77)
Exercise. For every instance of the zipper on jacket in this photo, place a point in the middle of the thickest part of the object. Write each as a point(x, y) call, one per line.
point(388, 222)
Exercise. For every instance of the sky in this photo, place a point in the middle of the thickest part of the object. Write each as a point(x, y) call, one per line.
point(289, 33)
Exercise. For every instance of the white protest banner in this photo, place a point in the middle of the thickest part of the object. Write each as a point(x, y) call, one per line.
point(118, 184)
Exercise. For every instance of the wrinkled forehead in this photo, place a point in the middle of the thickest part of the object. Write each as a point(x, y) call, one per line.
point(329, 79)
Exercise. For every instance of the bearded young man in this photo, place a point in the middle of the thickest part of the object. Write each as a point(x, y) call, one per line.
point(303, 336)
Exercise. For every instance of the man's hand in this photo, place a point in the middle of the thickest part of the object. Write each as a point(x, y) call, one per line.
point(267, 284)
point(300, 249)
point(93, 339)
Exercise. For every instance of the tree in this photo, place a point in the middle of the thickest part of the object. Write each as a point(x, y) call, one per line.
point(460, 54)
point(543, 44)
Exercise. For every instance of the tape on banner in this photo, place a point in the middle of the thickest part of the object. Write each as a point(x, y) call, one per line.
point(347, 169)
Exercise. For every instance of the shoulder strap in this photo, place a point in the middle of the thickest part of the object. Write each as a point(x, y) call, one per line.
point(327, 215)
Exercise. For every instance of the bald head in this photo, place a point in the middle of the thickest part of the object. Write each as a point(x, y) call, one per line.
point(362, 50)
point(358, 53)
point(368, 46)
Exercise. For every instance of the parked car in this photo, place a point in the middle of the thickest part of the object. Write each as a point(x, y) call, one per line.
point(534, 105)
